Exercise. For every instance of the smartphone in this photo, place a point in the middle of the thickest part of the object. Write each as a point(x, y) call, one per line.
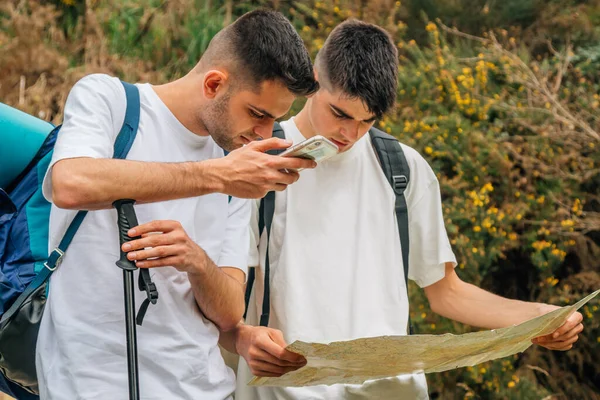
point(316, 148)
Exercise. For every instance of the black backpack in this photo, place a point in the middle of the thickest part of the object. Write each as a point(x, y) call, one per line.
point(395, 168)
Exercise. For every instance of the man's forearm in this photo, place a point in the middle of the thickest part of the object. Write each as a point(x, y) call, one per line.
point(91, 184)
point(227, 339)
point(219, 296)
point(471, 305)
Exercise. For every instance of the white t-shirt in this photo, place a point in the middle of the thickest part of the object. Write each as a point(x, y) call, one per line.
point(81, 351)
point(336, 262)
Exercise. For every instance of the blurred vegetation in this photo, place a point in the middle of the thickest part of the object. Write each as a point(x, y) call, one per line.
point(502, 98)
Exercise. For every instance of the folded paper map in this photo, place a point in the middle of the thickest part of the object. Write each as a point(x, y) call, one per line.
point(357, 361)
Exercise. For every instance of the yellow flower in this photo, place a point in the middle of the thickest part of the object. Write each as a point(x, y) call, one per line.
point(423, 315)
point(511, 384)
point(477, 228)
point(488, 187)
point(428, 150)
point(431, 27)
point(474, 250)
point(482, 370)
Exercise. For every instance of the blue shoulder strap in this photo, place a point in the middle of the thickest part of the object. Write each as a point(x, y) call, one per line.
point(122, 146)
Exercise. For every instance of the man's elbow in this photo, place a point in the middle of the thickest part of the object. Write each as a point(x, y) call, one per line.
point(443, 295)
point(231, 322)
point(67, 187)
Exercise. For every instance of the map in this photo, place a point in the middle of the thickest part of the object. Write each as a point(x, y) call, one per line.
point(359, 360)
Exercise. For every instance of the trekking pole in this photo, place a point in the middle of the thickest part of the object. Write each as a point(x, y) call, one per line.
point(126, 220)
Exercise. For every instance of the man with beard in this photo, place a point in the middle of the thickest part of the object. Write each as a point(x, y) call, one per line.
point(191, 212)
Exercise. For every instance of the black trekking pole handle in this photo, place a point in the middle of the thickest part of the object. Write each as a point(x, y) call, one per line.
point(126, 219)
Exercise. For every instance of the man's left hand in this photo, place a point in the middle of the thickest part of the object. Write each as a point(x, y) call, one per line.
point(564, 337)
point(164, 244)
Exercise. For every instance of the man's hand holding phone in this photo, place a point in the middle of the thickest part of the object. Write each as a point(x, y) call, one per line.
point(249, 172)
point(316, 148)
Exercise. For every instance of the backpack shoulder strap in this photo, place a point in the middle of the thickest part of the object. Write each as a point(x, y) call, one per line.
point(131, 122)
point(265, 219)
point(122, 146)
point(397, 172)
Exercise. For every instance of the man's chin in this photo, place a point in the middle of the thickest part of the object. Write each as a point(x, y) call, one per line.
point(225, 143)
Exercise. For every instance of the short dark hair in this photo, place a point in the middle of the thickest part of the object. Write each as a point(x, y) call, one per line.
point(361, 60)
point(263, 45)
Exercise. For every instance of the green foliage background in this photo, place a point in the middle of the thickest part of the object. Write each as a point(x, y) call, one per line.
point(502, 98)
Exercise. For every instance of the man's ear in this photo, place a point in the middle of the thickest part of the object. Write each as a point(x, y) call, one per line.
point(316, 79)
point(213, 82)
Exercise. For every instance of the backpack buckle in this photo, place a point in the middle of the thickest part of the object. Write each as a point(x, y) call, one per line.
point(54, 259)
point(400, 182)
point(152, 292)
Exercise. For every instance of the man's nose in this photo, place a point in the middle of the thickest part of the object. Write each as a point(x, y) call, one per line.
point(264, 130)
point(350, 131)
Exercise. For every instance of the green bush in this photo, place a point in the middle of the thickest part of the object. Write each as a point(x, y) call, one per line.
point(509, 123)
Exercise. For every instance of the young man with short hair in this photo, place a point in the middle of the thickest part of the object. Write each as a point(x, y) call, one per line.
point(176, 170)
point(336, 268)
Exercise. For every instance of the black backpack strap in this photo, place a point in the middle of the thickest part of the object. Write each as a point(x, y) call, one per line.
point(265, 220)
point(396, 170)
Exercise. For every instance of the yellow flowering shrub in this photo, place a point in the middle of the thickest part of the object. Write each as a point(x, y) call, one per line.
point(511, 133)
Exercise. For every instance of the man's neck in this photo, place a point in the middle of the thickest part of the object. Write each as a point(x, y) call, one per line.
point(303, 123)
point(177, 99)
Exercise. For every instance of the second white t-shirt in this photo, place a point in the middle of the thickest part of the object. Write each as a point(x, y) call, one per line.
point(336, 262)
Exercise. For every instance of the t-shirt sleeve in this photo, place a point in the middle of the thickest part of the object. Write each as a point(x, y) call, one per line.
point(430, 248)
point(94, 112)
point(235, 249)
point(253, 251)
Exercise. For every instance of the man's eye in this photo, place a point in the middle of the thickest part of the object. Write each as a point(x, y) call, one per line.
point(338, 116)
point(256, 115)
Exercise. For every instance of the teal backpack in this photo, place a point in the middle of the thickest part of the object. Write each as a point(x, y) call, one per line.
point(25, 265)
